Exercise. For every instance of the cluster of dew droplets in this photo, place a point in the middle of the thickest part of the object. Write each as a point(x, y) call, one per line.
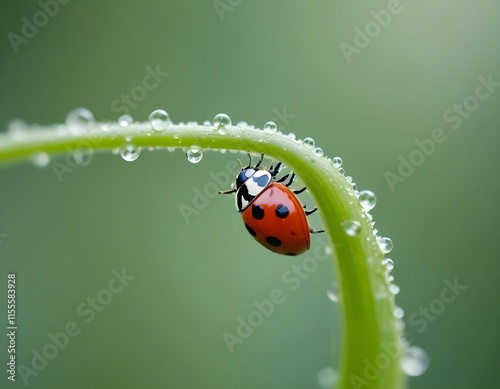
point(414, 360)
point(78, 121)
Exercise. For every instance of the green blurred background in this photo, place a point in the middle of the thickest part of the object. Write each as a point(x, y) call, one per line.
point(254, 60)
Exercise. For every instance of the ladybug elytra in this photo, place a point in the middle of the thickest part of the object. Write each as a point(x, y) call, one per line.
point(271, 211)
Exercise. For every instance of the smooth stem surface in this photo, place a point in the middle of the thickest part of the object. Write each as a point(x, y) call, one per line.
point(370, 348)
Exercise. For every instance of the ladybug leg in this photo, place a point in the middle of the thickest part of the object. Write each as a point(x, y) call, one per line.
point(311, 211)
point(313, 231)
point(290, 181)
point(227, 191)
point(283, 179)
point(274, 171)
point(300, 190)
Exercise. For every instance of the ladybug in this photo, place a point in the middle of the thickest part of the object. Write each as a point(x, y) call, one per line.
point(271, 211)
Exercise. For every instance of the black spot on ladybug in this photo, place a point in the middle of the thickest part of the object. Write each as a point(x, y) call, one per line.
point(282, 211)
point(273, 241)
point(250, 230)
point(292, 254)
point(258, 212)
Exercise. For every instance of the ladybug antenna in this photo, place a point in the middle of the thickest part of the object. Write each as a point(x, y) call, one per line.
point(239, 162)
point(249, 160)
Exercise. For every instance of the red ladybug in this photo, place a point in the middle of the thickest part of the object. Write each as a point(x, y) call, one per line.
point(271, 211)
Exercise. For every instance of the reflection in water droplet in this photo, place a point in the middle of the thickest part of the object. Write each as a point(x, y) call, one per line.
point(308, 142)
point(125, 120)
point(40, 159)
point(159, 120)
point(318, 151)
point(221, 123)
point(79, 118)
point(399, 312)
point(394, 289)
point(367, 199)
point(337, 162)
point(414, 361)
point(194, 154)
point(351, 227)
point(388, 263)
point(270, 127)
point(129, 151)
point(385, 244)
point(333, 292)
point(327, 377)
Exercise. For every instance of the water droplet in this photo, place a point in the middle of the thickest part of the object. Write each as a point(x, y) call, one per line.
point(351, 227)
point(18, 128)
point(318, 151)
point(385, 244)
point(341, 170)
point(394, 289)
point(125, 120)
point(308, 142)
point(367, 199)
point(414, 361)
point(349, 179)
point(171, 149)
point(40, 159)
point(327, 377)
point(399, 312)
point(242, 124)
point(159, 120)
point(333, 292)
point(292, 136)
point(221, 123)
point(388, 263)
point(129, 151)
point(206, 123)
point(82, 156)
point(194, 154)
point(79, 118)
point(270, 127)
point(400, 324)
point(337, 162)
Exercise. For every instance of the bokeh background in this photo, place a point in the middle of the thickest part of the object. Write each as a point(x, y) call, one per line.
point(256, 61)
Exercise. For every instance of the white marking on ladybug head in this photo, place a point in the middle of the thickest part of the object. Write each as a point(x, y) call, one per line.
point(251, 188)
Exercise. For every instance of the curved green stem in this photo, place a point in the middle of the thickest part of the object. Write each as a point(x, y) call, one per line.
point(370, 348)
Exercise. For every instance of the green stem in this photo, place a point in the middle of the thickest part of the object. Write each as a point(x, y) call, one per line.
point(369, 329)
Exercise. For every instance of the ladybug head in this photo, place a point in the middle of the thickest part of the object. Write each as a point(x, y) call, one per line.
point(244, 175)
